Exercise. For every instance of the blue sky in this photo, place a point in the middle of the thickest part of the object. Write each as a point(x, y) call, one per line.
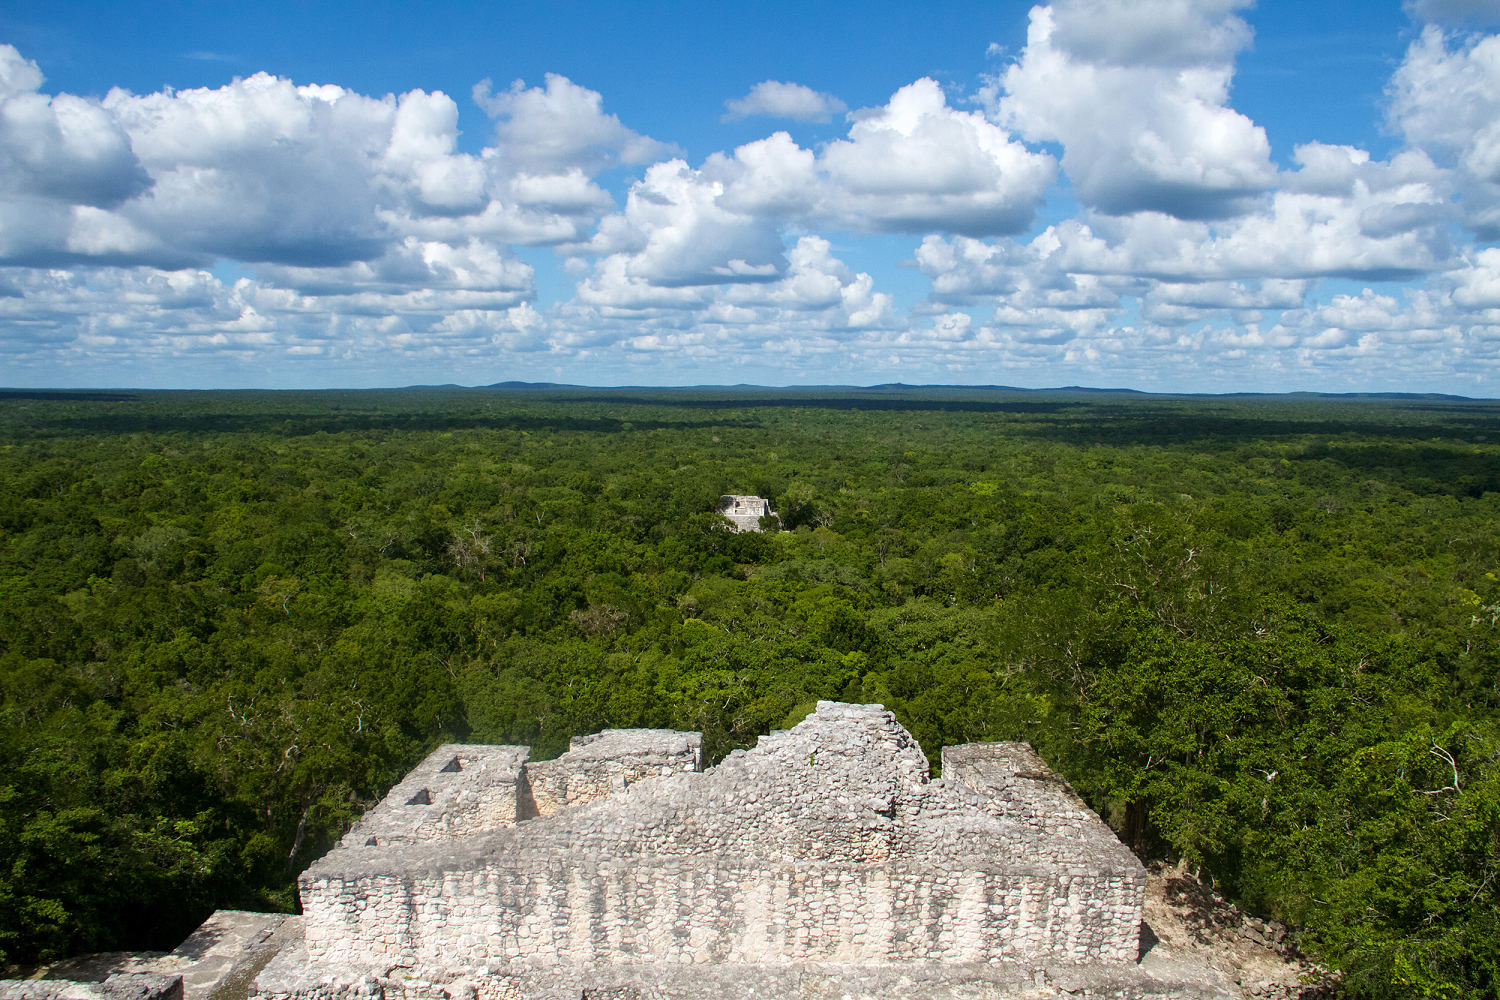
point(1173, 195)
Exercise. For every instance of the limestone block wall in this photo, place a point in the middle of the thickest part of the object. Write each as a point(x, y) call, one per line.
point(1011, 779)
point(118, 986)
point(823, 843)
point(827, 790)
point(587, 911)
point(460, 790)
point(288, 977)
point(608, 762)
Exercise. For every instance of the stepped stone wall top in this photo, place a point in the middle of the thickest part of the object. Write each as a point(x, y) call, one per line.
point(1011, 778)
point(458, 791)
point(824, 843)
point(599, 765)
point(826, 846)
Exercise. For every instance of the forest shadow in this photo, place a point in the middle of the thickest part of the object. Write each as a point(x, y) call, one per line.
point(1071, 418)
point(1426, 469)
point(1111, 426)
point(69, 395)
point(841, 403)
point(304, 424)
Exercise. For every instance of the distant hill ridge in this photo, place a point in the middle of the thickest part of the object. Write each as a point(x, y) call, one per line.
point(126, 394)
point(883, 387)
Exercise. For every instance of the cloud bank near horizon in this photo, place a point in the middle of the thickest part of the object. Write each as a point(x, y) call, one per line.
point(268, 232)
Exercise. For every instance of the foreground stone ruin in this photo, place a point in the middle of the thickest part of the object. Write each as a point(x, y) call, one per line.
point(824, 861)
point(120, 986)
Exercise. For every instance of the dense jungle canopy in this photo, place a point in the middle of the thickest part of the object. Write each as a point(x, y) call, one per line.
point(1258, 634)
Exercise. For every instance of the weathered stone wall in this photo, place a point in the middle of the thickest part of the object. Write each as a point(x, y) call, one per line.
point(288, 976)
point(605, 763)
point(1010, 779)
point(590, 911)
point(825, 843)
point(460, 790)
point(119, 986)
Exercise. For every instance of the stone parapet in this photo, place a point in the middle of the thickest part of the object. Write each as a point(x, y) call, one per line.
point(1010, 780)
point(600, 765)
point(459, 791)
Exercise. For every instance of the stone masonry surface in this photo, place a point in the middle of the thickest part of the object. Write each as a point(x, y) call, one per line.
point(744, 512)
point(825, 847)
point(458, 791)
point(120, 986)
point(599, 765)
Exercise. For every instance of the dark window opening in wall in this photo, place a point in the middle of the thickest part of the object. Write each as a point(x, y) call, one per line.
point(452, 767)
point(422, 798)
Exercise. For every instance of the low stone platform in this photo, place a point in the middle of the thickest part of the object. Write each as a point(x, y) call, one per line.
point(119, 986)
point(824, 843)
point(290, 978)
point(223, 956)
point(218, 961)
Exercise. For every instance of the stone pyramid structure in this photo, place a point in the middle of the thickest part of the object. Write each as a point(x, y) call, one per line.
point(824, 855)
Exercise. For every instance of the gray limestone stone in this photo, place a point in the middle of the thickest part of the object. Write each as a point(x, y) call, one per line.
point(458, 791)
point(823, 855)
point(120, 986)
point(600, 765)
point(744, 512)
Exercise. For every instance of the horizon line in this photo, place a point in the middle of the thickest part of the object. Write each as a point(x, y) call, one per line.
point(525, 386)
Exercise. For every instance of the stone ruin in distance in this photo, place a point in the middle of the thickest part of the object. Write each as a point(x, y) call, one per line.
point(822, 862)
point(744, 512)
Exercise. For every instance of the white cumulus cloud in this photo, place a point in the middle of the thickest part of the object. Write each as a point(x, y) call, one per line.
point(775, 99)
point(265, 171)
point(683, 236)
point(1458, 13)
point(366, 234)
point(1445, 99)
point(918, 165)
point(914, 165)
point(1137, 94)
point(560, 125)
